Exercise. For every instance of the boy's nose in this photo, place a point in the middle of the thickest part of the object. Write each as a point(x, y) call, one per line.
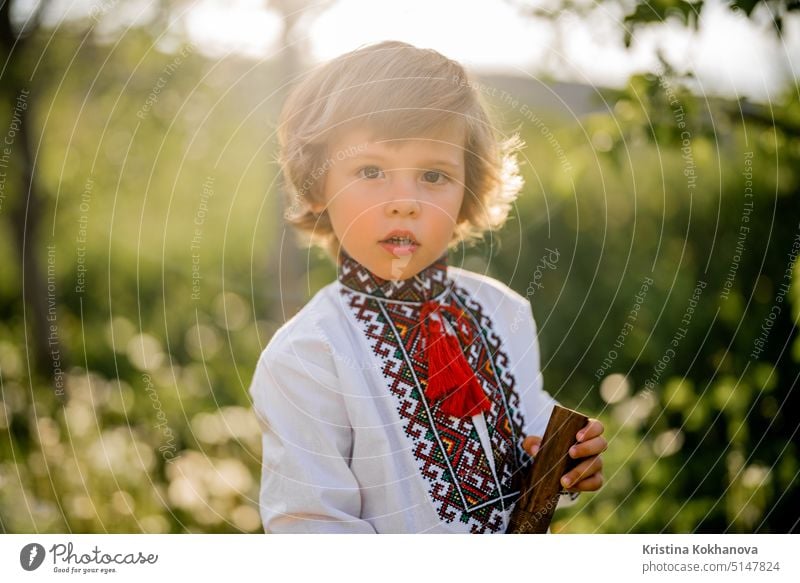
point(403, 207)
point(404, 200)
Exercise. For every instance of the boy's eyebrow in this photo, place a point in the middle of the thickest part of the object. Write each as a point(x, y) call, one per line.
point(424, 164)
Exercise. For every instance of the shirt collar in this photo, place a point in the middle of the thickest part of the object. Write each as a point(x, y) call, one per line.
point(426, 285)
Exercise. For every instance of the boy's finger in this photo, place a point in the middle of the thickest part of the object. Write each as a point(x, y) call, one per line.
point(593, 428)
point(594, 446)
point(590, 484)
point(531, 444)
point(583, 470)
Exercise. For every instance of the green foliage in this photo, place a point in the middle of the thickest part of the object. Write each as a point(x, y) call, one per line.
point(157, 433)
point(658, 11)
point(701, 197)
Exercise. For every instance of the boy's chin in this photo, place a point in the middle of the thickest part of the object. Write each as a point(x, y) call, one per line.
point(397, 269)
point(401, 268)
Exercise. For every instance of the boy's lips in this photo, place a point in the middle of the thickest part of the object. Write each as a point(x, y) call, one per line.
point(400, 234)
point(400, 243)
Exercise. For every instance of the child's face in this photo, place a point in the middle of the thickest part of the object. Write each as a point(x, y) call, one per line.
point(375, 190)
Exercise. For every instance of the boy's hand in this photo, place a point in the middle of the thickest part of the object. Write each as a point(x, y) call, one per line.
point(587, 475)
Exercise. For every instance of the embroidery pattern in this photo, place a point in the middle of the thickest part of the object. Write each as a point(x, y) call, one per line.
point(447, 450)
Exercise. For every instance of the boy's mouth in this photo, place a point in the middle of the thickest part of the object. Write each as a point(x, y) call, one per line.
point(400, 243)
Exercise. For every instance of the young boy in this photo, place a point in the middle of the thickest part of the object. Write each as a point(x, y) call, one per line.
point(405, 396)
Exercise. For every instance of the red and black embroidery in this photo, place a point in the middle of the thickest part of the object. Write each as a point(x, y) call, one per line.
point(447, 449)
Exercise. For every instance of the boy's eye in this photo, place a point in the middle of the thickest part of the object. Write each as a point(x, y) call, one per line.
point(370, 172)
point(434, 176)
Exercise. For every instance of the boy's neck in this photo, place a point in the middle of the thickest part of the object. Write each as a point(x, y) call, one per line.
point(425, 285)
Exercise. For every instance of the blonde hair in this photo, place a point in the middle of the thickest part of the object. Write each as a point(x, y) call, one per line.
point(397, 91)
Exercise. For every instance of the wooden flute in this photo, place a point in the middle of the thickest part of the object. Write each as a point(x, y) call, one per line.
point(540, 486)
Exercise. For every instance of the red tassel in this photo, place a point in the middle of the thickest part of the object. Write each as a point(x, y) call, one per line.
point(450, 378)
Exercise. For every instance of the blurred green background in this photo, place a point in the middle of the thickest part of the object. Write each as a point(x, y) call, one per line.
point(145, 267)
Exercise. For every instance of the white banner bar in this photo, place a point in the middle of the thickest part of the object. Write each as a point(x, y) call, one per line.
point(445, 558)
